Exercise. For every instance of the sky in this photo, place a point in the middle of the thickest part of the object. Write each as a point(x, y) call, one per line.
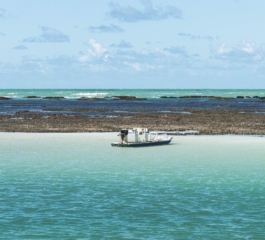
point(132, 44)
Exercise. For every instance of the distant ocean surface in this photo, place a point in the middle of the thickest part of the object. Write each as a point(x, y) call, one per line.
point(104, 104)
point(76, 186)
point(145, 93)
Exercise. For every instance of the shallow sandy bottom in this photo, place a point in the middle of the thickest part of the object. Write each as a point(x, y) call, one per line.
point(76, 186)
point(86, 142)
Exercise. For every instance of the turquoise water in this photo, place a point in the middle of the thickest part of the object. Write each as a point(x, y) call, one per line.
point(146, 93)
point(76, 186)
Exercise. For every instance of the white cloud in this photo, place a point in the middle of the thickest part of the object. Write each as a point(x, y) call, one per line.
point(31, 59)
point(243, 52)
point(122, 44)
point(196, 37)
point(248, 47)
point(20, 47)
point(48, 35)
point(177, 50)
point(139, 66)
point(32, 63)
point(62, 60)
point(223, 49)
point(95, 51)
point(135, 66)
point(2, 13)
point(131, 14)
point(97, 58)
point(174, 61)
point(106, 29)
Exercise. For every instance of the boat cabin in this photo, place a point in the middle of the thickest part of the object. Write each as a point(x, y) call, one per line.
point(156, 136)
point(140, 137)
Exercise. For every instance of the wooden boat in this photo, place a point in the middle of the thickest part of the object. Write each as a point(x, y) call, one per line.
point(140, 137)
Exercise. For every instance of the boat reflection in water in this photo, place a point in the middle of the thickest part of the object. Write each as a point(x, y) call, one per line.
point(140, 137)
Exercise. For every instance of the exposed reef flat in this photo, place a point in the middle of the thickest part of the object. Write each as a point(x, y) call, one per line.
point(206, 121)
point(214, 115)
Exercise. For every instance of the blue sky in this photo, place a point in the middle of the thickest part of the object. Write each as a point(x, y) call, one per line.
point(132, 44)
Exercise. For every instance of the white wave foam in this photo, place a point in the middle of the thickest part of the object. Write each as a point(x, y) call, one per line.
point(89, 94)
point(8, 96)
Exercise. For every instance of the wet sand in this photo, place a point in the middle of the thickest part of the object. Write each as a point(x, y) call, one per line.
point(203, 120)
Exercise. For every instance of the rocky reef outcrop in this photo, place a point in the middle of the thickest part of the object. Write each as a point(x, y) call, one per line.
point(131, 98)
point(4, 98)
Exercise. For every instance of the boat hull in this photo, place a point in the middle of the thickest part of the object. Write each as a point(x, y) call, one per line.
point(141, 144)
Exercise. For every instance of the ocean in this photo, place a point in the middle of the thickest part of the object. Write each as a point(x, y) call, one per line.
point(105, 105)
point(144, 93)
point(76, 186)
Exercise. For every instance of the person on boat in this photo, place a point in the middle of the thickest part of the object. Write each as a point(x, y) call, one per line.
point(123, 134)
point(122, 137)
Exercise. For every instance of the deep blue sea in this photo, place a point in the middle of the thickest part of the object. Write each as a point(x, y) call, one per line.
point(69, 105)
point(76, 186)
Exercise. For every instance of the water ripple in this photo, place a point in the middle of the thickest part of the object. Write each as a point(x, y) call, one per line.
point(77, 186)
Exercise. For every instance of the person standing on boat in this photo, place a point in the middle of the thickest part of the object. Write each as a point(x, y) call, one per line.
point(122, 137)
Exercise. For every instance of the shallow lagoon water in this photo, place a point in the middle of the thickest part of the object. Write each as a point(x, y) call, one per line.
point(77, 186)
